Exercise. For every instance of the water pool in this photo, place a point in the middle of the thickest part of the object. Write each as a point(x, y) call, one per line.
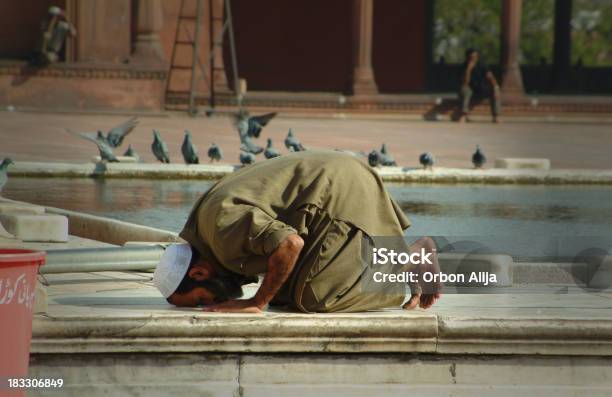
point(509, 212)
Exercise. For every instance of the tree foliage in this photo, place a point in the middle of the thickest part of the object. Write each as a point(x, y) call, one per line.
point(592, 32)
point(460, 24)
point(537, 32)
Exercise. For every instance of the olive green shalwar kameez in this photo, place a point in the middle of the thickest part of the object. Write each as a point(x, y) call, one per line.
point(331, 199)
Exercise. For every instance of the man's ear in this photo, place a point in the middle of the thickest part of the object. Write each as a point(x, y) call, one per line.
point(199, 273)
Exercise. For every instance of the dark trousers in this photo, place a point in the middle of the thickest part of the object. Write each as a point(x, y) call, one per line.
point(468, 96)
point(330, 275)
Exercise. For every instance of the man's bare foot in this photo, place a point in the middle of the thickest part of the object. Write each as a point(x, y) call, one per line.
point(462, 119)
point(426, 293)
point(496, 120)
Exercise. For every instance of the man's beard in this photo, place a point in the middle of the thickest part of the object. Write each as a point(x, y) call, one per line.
point(222, 288)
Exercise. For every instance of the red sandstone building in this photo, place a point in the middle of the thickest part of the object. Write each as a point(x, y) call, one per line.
point(367, 52)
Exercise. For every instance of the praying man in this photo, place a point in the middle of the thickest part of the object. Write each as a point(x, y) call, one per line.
point(302, 221)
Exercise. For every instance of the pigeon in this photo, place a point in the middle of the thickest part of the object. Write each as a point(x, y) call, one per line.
point(386, 158)
point(478, 158)
point(3, 172)
point(114, 137)
point(270, 152)
point(252, 126)
point(246, 158)
point(106, 152)
point(100, 136)
point(130, 152)
point(427, 160)
point(116, 134)
point(293, 143)
point(159, 148)
point(215, 153)
point(247, 145)
point(190, 152)
point(374, 158)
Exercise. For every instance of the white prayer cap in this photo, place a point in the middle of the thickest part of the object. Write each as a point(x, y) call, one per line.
point(172, 267)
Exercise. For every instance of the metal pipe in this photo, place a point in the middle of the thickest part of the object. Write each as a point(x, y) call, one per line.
point(83, 260)
point(195, 60)
point(228, 10)
point(211, 36)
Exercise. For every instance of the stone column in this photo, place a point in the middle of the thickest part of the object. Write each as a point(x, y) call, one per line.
point(512, 80)
point(148, 49)
point(362, 79)
point(219, 78)
point(103, 31)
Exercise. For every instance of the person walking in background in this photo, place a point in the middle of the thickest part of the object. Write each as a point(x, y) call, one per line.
point(478, 83)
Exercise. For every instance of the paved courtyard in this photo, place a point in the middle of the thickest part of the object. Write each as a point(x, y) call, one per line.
point(28, 136)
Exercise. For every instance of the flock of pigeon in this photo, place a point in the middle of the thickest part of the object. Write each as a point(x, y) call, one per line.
point(384, 158)
point(249, 128)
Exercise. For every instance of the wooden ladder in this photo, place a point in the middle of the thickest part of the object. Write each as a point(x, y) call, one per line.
point(206, 69)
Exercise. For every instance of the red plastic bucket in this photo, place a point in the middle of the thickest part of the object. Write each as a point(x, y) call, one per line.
point(18, 269)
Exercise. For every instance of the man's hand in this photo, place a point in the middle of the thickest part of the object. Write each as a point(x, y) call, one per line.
point(424, 294)
point(425, 301)
point(280, 265)
point(234, 306)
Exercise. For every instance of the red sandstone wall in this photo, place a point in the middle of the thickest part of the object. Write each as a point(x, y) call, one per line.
point(282, 45)
point(107, 38)
point(81, 93)
point(306, 45)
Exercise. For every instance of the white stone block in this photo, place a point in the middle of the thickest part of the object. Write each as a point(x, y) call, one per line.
point(146, 244)
point(9, 208)
point(36, 227)
point(122, 159)
point(522, 163)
